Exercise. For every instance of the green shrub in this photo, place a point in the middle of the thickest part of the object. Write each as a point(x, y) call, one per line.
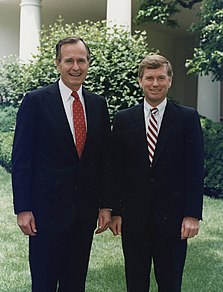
point(213, 149)
point(11, 80)
point(113, 70)
point(6, 140)
point(7, 118)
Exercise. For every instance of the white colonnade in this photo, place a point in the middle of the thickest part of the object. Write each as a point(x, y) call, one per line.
point(30, 24)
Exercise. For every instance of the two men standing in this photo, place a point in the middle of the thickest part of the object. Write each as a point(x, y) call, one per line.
point(60, 175)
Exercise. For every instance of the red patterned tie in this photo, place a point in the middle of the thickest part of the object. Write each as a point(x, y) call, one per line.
point(79, 123)
point(152, 134)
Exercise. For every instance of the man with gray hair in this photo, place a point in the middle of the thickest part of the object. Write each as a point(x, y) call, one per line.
point(59, 172)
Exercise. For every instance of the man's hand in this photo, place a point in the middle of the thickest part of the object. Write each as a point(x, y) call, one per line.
point(104, 219)
point(116, 225)
point(26, 222)
point(189, 227)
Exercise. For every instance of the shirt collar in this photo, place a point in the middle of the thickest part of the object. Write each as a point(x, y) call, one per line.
point(161, 106)
point(66, 91)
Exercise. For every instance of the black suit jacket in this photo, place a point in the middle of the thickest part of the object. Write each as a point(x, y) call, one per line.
point(173, 186)
point(48, 177)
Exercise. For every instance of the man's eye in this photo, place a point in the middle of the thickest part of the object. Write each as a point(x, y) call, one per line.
point(81, 61)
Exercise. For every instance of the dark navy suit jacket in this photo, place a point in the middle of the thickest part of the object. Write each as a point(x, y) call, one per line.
point(173, 186)
point(48, 177)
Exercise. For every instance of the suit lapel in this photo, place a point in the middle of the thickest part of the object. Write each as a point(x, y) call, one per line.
point(165, 130)
point(90, 112)
point(55, 103)
point(140, 131)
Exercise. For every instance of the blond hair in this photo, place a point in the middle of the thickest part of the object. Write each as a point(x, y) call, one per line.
point(154, 61)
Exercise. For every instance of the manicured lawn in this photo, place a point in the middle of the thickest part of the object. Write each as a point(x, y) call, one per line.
point(203, 271)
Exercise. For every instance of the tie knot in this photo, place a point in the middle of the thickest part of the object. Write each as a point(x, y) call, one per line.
point(154, 110)
point(75, 95)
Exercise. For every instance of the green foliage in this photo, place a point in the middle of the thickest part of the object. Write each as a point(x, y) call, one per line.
point(7, 118)
point(114, 64)
point(213, 149)
point(208, 56)
point(159, 11)
point(11, 80)
point(162, 11)
point(6, 140)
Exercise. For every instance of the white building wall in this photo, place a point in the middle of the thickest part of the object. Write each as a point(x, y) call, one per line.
point(9, 30)
point(209, 98)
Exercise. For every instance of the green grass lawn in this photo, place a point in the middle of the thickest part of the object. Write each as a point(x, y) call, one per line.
point(203, 271)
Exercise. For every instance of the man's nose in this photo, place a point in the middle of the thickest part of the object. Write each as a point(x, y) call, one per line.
point(155, 82)
point(75, 65)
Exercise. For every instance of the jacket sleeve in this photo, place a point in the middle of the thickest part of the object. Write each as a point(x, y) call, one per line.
point(116, 166)
point(194, 167)
point(106, 198)
point(22, 155)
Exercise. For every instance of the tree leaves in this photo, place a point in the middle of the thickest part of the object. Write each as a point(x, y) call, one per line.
point(208, 55)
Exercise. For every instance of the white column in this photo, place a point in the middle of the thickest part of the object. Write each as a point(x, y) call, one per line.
point(208, 98)
point(30, 25)
point(119, 12)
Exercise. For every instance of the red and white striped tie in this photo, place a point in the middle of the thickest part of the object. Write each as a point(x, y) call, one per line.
point(152, 134)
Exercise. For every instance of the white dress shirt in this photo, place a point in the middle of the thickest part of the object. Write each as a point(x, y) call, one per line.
point(159, 115)
point(67, 99)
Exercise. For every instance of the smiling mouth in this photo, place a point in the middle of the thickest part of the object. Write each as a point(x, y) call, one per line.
point(75, 74)
point(155, 91)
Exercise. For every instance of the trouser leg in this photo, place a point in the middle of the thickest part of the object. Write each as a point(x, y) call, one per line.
point(45, 257)
point(169, 259)
point(138, 256)
point(76, 259)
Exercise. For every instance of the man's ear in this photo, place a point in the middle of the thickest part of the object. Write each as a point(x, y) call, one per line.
point(170, 81)
point(57, 64)
point(140, 82)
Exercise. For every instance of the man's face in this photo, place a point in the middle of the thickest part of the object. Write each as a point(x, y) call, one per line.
point(155, 84)
point(73, 65)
